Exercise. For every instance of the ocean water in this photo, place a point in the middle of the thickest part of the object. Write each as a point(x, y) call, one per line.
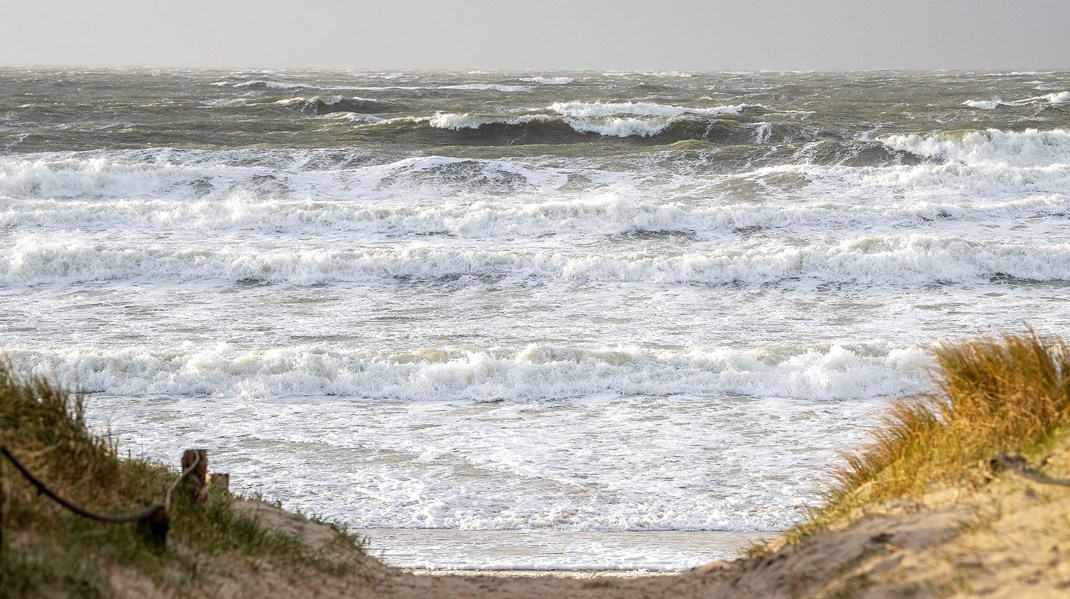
point(517, 320)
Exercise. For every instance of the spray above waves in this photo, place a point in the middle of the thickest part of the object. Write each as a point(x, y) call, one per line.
point(537, 372)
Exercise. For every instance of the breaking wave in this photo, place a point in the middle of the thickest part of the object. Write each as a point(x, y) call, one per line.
point(332, 104)
point(605, 109)
point(1053, 98)
point(549, 80)
point(535, 372)
point(892, 261)
point(1029, 149)
point(622, 120)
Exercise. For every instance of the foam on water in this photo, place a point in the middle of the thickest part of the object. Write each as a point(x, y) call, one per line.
point(497, 87)
point(470, 121)
point(1041, 150)
point(586, 110)
point(571, 304)
point(550, 80)
point(1053, 98)
point(610, 213)
point(537, 372)
point(881, 260)
point(621, 119)
point(507, 466)
point(621, 127)
point(988, 104)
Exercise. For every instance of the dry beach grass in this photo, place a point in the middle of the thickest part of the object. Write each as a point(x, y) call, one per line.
point(921, 512)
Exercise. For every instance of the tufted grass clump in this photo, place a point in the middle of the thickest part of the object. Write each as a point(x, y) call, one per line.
point(1005, 394)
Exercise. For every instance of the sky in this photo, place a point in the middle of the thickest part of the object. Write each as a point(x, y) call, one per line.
point(544, 35)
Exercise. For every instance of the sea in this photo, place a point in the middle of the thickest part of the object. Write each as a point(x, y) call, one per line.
point(532, 320)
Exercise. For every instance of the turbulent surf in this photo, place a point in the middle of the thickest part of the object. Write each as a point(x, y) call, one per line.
point(547, 303)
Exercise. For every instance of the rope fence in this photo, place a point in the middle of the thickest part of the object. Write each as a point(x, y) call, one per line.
point(153, 520)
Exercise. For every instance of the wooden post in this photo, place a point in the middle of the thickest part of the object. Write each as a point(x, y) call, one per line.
point(220, 480)
point(154, 528)
point(195, 480)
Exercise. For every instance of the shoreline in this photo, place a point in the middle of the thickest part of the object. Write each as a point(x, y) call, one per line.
point(555, 552)
point(570, 574)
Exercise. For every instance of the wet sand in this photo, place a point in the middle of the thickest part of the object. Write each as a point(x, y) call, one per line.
point(552, 552)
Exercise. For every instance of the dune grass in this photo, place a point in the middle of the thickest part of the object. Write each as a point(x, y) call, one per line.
point(48, 551)
point(1005, 394)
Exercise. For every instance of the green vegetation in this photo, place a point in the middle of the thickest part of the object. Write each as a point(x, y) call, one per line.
point(1008, 394)
point(49, 551)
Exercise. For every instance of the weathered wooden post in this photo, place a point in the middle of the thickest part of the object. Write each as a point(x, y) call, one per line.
point(196, 479)
point(220, 480)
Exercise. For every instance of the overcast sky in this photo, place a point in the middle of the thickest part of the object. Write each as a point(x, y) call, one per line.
point(544, 35)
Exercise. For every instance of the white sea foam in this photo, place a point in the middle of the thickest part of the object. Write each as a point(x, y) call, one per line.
point(549, 80)
point(620, 119)
point(355, 117)
point(1006, 175)
point(620, 127)
point(1029, 148)
point(610, 127)
point(224, 102)
point(464, 438)
point(270, 84)
point(988, 104)
point(535, 372)
point(69, 176)
point(168, 174)
point(1062, 97)
point(590, 214)
point(881, 260)
point(327, 101)
point(606, 109)
point(513, 466)
point(283, 85)
point(482, 340)
point(488, 87)
point(456, 122)
point(1058, 98)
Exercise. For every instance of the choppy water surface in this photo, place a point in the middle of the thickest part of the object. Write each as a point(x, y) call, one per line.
point(552, 305)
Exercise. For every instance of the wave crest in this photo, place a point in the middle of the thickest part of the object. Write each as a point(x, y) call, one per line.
point(535, 372)
point(333, 104)
point(881, 260)
point(1027, 149)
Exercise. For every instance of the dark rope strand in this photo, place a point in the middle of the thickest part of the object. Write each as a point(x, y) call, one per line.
point(1021, 467)
point(42, 487)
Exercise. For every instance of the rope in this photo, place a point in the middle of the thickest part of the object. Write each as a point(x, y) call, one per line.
point(144, 514)
point(1019, 465)
point(152, 521)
